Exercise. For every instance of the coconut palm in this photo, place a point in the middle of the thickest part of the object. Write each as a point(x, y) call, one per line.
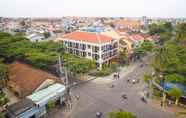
point(176, 93)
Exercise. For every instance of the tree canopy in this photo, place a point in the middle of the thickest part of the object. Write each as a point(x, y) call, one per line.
point(121, 114)
point(145, 47)
point(77, 64)
point(39, 54)
point(3, 71)
point(170, 57)
point(156, 29)
point(176, 93)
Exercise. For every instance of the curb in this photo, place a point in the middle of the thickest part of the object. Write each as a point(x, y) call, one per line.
point(82, 82)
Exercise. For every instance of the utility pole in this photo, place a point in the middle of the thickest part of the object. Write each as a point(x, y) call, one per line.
point(66, 82)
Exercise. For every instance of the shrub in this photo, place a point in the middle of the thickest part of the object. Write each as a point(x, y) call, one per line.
point(156, 92)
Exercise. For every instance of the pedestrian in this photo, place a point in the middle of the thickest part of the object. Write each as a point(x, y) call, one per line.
point(118, 75)
point(148, 94)
point(161, 103)
point(169, 103)
point(114, 76)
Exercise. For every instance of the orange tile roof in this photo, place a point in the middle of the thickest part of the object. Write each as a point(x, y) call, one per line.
point(130, 23)
point(88, 37)
point(136, 37)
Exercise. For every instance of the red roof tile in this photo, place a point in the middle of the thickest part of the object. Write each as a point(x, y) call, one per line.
point(136, 37)
point(88, 37)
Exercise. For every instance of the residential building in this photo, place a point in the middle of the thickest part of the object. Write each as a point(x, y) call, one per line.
point(21, 109)
point(36, 37)
point(126, 45)
point(91, 45)
point(134, 25)
point(137, 40)
point(129, 41)
point(35, 105)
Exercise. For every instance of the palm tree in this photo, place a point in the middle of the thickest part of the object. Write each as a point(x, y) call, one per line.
point(176, 93)
point(161, 60)
point(160, 63)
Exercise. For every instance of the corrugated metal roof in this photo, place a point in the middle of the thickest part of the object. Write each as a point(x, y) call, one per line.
point(43, 96)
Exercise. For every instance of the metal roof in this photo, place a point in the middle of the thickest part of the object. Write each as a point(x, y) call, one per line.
point(43, 96)
point(19, 107)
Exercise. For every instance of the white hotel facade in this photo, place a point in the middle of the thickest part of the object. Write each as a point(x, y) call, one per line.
point(91, 45)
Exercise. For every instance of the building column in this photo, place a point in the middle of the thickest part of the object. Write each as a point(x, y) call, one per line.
point(100, 66)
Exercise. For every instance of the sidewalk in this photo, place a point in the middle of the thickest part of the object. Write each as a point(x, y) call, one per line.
point(173, 108)
point(63, 112)
point(124, 71)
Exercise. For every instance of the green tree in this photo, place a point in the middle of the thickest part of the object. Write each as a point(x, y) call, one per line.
point(121, 114)
point(160, 60)
point(40, 54)
point(176, 93)
point(51, 104)
point(78, 65)
point(123, 58)
point(168, 27)
point(154, 29)
point(181, 32)
point(3, 71)
point(175, 78)
point(147, 46)
point(165, 36)
point(147, 78)
point(144, 48)
point(3, 99)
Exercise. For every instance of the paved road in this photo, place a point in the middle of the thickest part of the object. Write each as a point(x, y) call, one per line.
point(97, 96)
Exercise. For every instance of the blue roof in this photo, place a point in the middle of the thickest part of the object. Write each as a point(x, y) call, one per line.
point(169, 86)
point(94, 29)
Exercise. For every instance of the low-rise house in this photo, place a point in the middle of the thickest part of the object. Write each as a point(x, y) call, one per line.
point(35, 105)
point(153, 39)
point(22, 109)
point(126, 45)
point(137, 40)
point(35, 37)
point(54, 92)
point(128, 42)
point(24, 80)
point(91, 45)
point(134, 25)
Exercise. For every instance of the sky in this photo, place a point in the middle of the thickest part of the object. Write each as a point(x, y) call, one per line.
point(112, 8)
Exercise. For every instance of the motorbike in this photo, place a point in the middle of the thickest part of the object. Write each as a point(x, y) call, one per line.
point(98, 114)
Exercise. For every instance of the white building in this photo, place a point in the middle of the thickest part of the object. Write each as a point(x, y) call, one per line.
point(91, 45)
point(35, 37)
